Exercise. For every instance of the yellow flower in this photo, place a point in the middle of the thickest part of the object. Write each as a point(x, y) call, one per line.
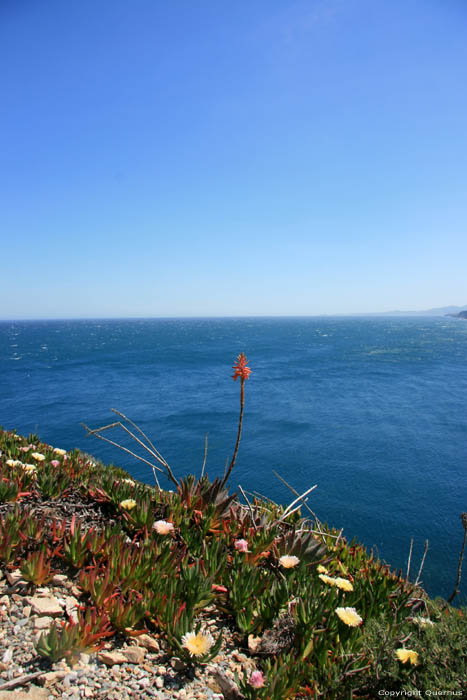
point(197, 643)
point(322, 569)
point(128, 504)
point(30, 468)
point(13, 462)
point(288, 561)
point(405, 655)
point(349, 616)
point(59, 451)
point(327, 579)
point(124, 481)
point(38, 457)
point(343, 584)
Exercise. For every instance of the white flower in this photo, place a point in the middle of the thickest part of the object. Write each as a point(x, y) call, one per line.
point(197, 643)
point(343, 583)
point(162, 527)
point(423, 621)
point(128, 504)
point(288, 561)
point(30, 468)
point(13, 462)
point(38, 457)
point(59, 451)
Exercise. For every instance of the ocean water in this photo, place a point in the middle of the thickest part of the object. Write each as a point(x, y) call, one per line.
point(372, 410)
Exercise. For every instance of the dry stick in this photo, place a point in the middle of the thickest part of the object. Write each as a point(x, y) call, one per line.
point(239, 431)
point(205, 455)
point(300, 498)
point(409, 559)
point(461, 557)
point(125, 449)
point(296, 493)
point(122, 415)
point(21, 680)
point(253, 519)
point(421, 563)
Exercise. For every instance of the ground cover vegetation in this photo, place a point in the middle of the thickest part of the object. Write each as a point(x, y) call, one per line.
point(319, 616)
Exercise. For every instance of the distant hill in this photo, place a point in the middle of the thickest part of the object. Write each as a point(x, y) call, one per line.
point(441, 311)
point(461, 314)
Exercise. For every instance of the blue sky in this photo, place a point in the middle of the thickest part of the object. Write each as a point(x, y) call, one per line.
point(232, 158)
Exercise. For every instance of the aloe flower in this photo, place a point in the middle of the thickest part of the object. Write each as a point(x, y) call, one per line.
point(407, 655)
point(241, 369)
point(197, 643)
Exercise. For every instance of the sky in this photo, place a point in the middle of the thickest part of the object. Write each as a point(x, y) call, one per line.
point(232, 158)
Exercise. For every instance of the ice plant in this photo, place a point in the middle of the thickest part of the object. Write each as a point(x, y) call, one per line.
point(162, 527)
point(55, 462)
point(322, 569)
point(38, 457)
point(197, 643)
point(327, 579)
point(59, 451)
point(349, 616)
point(128, 504)
point(288, 561)
point(241, 545)
point(423, 621)
point(343, 584)
point(256, 679)
point(407, 655)
point(240, 370)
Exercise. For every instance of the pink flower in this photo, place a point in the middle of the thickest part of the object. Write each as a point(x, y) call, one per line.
point(55, 462)
point(241, 545)
point(218, 589)
point(256, 679)
point(25, 449)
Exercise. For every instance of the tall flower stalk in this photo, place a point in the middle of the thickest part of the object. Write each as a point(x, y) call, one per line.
point(240, 370)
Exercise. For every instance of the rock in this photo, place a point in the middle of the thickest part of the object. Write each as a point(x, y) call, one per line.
point(149, 643)
point(177, 664)
point(88, 693)
point(51, 678)
point(71, 607)
point(27, 610)
point(60, 580)
point(42, 623)
point(16, 577)
point(45, 606)
point(109, 658)
point(159, 682)
point(134, 655)
point(34, 693)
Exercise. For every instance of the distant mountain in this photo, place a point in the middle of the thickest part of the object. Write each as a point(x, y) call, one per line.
point(441, 311)
point(461, 314)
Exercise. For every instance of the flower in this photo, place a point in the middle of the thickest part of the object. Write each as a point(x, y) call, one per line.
point(256, 679)
point(30, 468)
point(13, 462)
point(128, 504)
point(59, 451)
point(349, 616)
point(241, 370)
point(343, 584)
point(197, 643)
point(25, 448)
point(405, 655)
point(124, 481)
point(55, 462)
point(38, 457)
point(162, 527)
point(216, 588)
point(327, 579)
point(322, 569)
point(241, 545)
point(423, 621)
point(288, 561)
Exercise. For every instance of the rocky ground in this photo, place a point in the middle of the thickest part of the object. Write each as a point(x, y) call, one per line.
point(126, 668)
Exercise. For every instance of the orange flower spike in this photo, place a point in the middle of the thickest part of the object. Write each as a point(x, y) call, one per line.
point(241, 369)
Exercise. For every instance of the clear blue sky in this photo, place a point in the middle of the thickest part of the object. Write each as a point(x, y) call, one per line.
point(179, 158)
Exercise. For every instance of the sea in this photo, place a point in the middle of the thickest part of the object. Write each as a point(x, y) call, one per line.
point(370, 409)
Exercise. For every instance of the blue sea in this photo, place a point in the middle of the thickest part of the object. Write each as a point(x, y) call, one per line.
point(372, 410)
